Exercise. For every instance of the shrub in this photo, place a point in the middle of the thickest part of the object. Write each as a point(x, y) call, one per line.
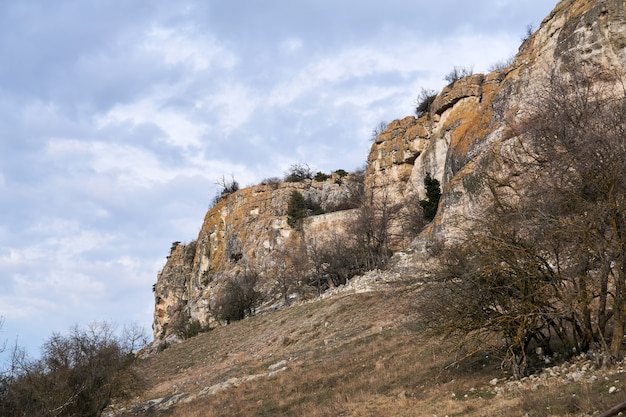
point(77, 375)
point(273, 182)
point(174, 246)
point(298, 173)
point(226, 188)
point(296, 210)
point(433, 194)
point(530, 28)
point(355, 186)
point(341, 173)
point(380, 128)
point(291, 270)
point(424, 101)
point(336, 259)
point(541, 262)
point(238, 298)
point(321, 177)
point(185, 327)
point(502, 64)
point(457, 73)
point(313, 208)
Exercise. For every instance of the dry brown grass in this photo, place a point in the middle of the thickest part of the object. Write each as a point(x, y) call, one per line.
point(354, 355)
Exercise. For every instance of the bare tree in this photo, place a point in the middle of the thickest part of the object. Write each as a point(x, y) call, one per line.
point(457, 73)
point(226, 188)
point(546, 257)
point(336, 258)
point(77, 374)
point(377, 226)
point(238, 297)
point(298, 173)
point(292, 269)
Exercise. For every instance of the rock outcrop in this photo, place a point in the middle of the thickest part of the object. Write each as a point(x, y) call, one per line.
point(243, 231)
point(449, 141)
point(467, 117)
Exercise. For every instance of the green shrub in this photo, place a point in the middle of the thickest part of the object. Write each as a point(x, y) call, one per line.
point(341, 173)
point(433, 194)
point(313, 208)
point(296, 210)
point(321, 177)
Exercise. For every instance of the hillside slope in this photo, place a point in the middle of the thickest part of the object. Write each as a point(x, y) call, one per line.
point(357, 352)
point(360, 350)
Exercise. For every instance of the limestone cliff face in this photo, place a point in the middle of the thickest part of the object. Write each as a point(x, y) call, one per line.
point(450, 141)
point(466, 118)
point(243, 231)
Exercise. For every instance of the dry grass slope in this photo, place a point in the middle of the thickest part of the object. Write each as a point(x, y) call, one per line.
point(349, 355)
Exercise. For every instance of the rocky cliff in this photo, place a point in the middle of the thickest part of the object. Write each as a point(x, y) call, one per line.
point(246, 230)
point(449, 141)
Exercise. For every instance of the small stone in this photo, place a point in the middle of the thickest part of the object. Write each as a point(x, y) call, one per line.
point(612, 390)
point(577, 375)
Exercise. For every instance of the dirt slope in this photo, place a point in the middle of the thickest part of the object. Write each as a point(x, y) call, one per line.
point(359, 352)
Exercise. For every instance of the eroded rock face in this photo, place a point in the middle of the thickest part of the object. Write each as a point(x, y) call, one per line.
point(451, 142)
point(467, 117)
point(242, 232)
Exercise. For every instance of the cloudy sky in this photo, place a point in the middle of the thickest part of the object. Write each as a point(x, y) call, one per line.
point(118, 116)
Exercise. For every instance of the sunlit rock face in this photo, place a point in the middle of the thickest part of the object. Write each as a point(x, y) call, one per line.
point(242, 232)
point(451, 141)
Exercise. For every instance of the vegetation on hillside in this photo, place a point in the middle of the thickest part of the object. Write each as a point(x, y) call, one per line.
point(542, 268)
point(364, 354)
point(77, 374)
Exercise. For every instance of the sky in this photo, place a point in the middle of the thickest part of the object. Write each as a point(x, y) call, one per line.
point(118, 117)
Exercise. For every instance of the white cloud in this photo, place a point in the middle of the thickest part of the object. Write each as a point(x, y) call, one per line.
point(188, 47)
point(232, 105)
point(427, 61)
point(291, 45)
point(14, 308)
point(130, 165)
point(179, 130)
